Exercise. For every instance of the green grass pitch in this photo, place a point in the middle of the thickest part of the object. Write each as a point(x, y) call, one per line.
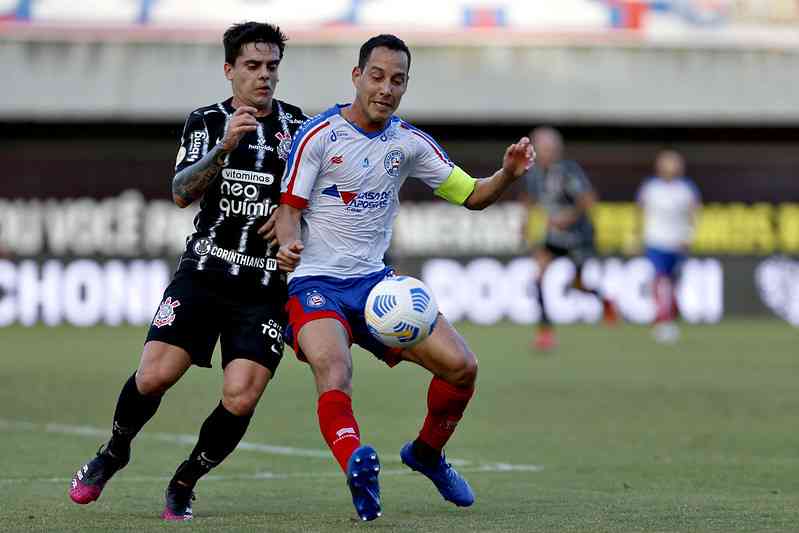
point(610, 433)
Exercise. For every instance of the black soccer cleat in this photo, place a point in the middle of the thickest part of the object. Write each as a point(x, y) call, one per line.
point(178, 503)
point(90, 479)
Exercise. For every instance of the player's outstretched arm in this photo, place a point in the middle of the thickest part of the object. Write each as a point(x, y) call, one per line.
point(518, 158)
point(191, 182)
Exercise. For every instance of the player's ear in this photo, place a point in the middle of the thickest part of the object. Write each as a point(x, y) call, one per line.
point(229, 71)
point(356, 73)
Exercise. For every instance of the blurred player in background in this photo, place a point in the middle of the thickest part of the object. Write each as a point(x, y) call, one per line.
point(339, 202)
point(562, 189)
point(668, 202)
point(227, 284)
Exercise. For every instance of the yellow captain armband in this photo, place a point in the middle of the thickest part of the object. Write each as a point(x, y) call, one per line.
point(457, 187)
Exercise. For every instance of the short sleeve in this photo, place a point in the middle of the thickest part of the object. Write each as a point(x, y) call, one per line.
point(695, 194)
point(576, 181)
point(304, 163)
point(640, 195)
point(430, 162)
point(193, 142)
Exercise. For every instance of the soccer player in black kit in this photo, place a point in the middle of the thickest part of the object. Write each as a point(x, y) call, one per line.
point(227, 285)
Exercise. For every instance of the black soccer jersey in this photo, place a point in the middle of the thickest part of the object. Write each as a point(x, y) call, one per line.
point(245, 191)
point(557, 188)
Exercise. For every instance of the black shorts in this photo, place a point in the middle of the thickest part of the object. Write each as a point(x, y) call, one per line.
point(578, 254)
point(199, 308)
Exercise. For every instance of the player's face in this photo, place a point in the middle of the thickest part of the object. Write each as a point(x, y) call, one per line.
point(669, 165)
point(254, 76)
point(547, 149)
point(380, 85)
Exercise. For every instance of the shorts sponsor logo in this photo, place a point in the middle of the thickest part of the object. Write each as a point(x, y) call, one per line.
point(274, 331)
point(236, 258)
point(393, 161)
point(202, 246)
point(196, 141)
point(248, 176)
point(315, 299)
point(166, 313)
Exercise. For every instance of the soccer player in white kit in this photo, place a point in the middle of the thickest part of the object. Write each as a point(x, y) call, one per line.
point(339, 201)
point(668, 201)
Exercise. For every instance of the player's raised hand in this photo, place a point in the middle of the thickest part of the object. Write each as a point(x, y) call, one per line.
point(519, 157)
point(242, 122)
point(288, 256)
point(269, 230)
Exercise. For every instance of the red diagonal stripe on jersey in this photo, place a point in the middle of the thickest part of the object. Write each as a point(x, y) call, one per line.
point(298, 159)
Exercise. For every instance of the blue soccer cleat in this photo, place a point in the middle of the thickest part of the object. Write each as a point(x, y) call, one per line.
point(362, 470)
point(452, 486)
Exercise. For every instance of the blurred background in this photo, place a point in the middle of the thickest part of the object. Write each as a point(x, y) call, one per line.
point(95, 93)
point(610, 432)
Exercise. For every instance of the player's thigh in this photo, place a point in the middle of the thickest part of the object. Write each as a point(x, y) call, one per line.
point(244, 383)
point(325, 345)
point(252, 328)
point(446, 354)
point(188, 318)
point(161, 366)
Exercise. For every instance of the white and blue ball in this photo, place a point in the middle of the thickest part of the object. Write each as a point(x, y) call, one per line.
point(401, 311)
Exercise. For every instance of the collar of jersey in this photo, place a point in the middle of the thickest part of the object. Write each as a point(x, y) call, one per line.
point(367, 134)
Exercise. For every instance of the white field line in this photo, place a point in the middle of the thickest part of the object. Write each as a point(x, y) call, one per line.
point(190, 440)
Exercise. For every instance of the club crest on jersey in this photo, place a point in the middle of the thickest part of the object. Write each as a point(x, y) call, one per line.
point(166, 313)
point(284, 147)
point(202, 246)
point(344, 196)
point(393, 162)
point(315, 299)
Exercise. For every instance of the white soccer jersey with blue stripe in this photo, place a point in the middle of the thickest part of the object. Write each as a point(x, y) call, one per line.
point(347, 182)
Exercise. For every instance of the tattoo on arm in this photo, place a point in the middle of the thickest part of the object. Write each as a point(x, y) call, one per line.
point(191, 182)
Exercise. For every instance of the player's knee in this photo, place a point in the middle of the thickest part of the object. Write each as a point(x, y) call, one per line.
point(241, 403)
point(332, 372)
point(152, 382)
point(464, 375)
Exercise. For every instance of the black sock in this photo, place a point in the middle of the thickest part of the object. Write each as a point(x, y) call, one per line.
point(220, 434)
point(425, 453)
point(580, 286)
point(545, 322)
point(133, 411)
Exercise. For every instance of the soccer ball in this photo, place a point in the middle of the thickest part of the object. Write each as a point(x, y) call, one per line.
point(401, 311)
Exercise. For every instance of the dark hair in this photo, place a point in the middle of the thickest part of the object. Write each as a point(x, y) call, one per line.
point(392, 42)
point(251, 32)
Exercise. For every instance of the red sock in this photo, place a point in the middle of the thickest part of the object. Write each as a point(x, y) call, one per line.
point(664, 299)
point(338, 425)
point(445, 406)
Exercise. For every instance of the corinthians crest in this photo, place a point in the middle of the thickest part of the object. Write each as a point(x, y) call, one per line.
point(166, 313)
point(284, 147)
